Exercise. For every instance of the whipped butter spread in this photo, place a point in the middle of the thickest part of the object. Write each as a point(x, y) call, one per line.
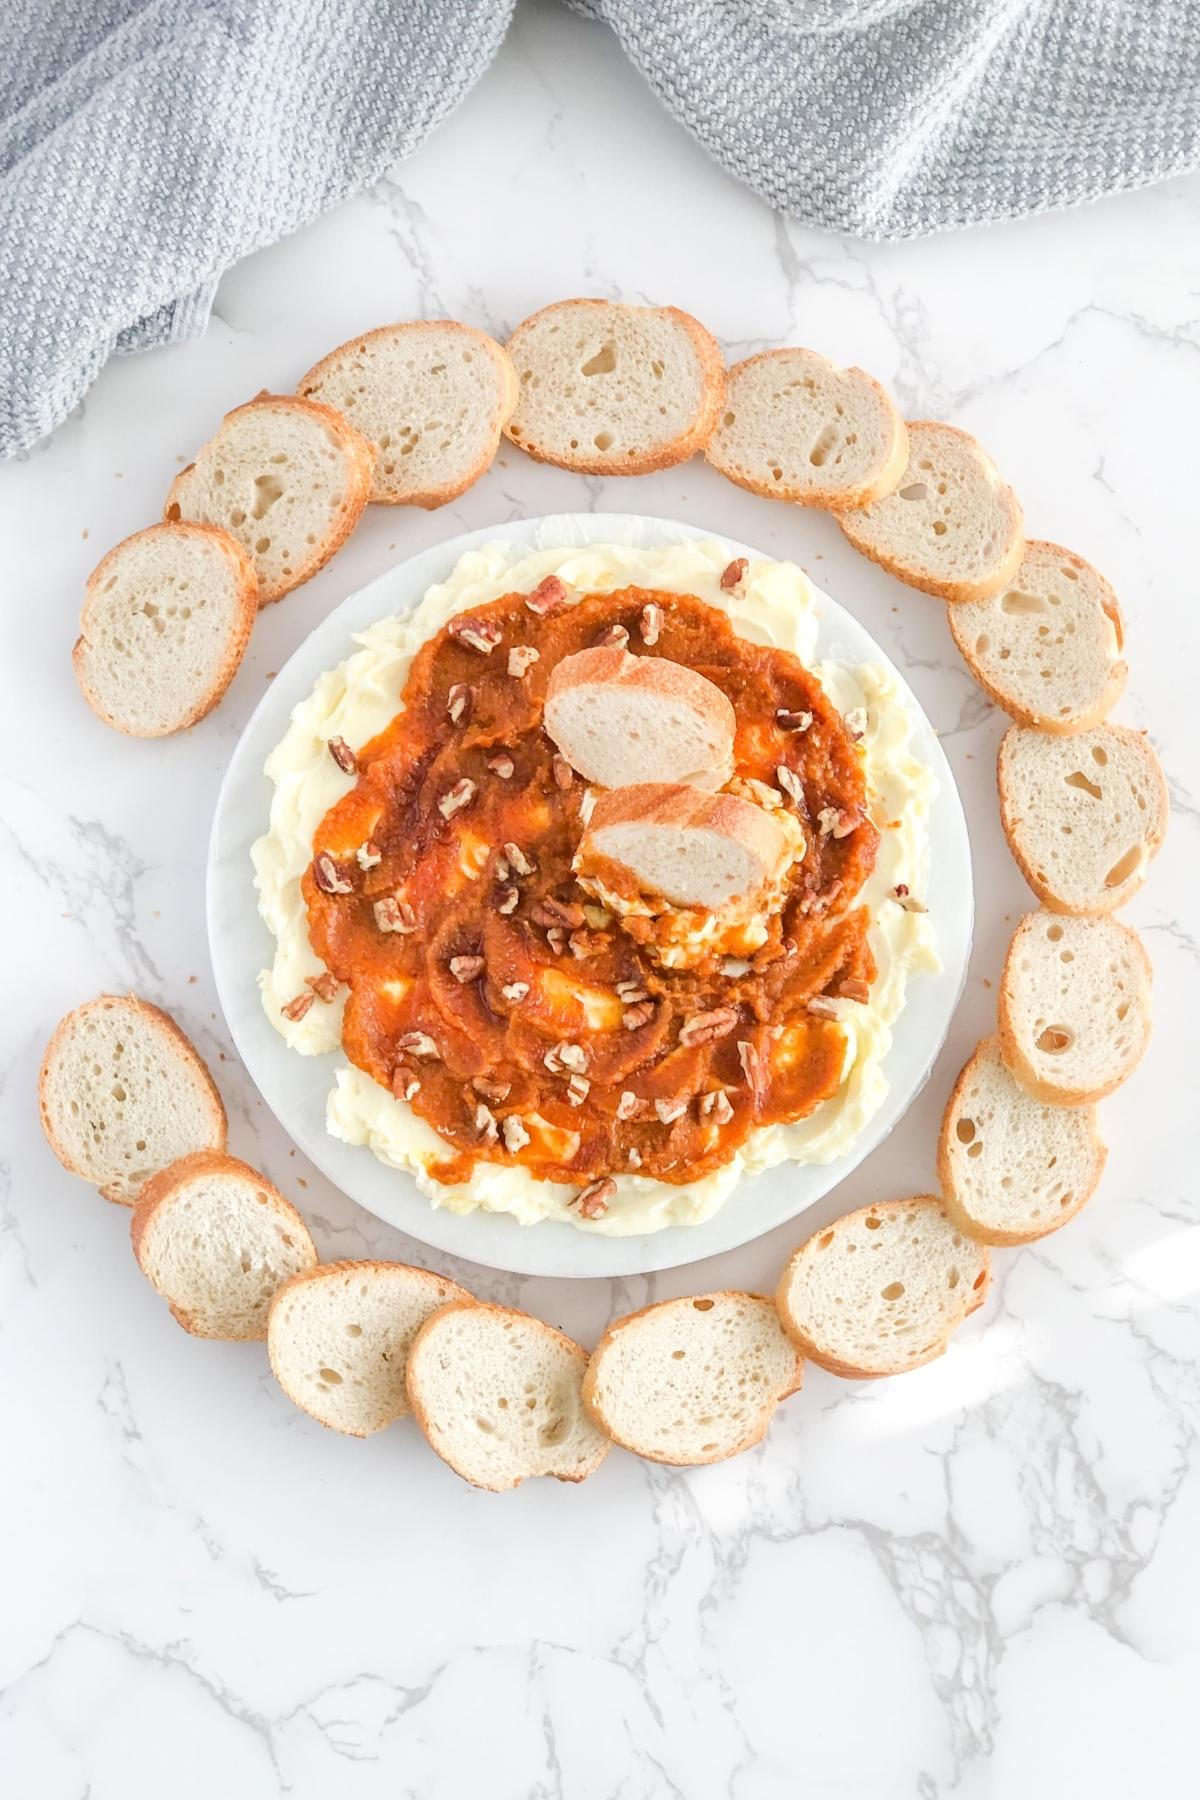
point(776, 605)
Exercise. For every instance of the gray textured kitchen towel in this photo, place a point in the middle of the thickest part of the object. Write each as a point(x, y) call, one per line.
point(145, 145)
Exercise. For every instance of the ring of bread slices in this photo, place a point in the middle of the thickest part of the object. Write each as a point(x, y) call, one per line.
point(559, 964)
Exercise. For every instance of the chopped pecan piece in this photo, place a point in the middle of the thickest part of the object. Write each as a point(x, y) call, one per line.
point(515, 1135)
point(707, 1027)
point(551, 596)
point(578, 1089)
point(556, 938)
point(460, 698)
point(495, 1091)
point(751, 1059)
point(467, 968)
point(633, 1157)
point(906, 901)
point(614, 637)
point(734, 572)
point(325, 986)
point(481, 634)
point(330, 876)
point(405, 1082)
point(486, 1123)
point(460, 795)
point(502, 765)
point(716, 1106)
point(393, 914)
point(651, 623)
point(368, 855)
point(629, 991)
point(343, 756)
point(833, 822)
point(521, 864)
point(855, 990)
point(507, 899)
point(521, 659)
point(296, 1009)
point(564, 774)
point(628, 1106)
point(855, 722)
point(593, 1201)
point(634, 1017)
point(564, 913)
point(567, 1056)
point(583, 944)
point(515, 991)
point(419, 1044)
point(670, 1110)
point(766, 796)
point(790, 782)
point(793, 721)
point(822, 1006)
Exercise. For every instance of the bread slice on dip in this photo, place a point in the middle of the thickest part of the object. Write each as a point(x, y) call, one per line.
point(796, 427)
point(497, 1394)
point(692, 1381)
point(693, 848)
point(882, 1290)
point(166, 620)
point(339, 1335)
point(610, 389)
point(216, 1239)
point(615, 717)
point(431, 397)
point(289, 479)
point(122, 1093)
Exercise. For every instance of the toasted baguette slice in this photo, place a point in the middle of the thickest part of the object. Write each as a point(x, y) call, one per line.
point(1012, 1169)
point(1047, 647)
point(882, 1290)
point(287, 478)
point(692, 1381)
point(123, 1093)
point(215, 1239)
point(339, 1335)
point(795, 427)
point(1074, 1007)
point(165, 624)
point(431, 397)
point(951, 527)
point(1083, 815)
point(497, 1395)
point(616, 716)
point(693, 848)
point(609, 389)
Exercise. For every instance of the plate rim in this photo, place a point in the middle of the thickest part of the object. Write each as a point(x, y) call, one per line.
point(497, 1241)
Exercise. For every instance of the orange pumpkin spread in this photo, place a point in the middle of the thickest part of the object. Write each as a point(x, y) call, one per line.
point(523, 1020)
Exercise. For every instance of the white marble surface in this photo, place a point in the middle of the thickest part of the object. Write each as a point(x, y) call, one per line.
point(980, 1581)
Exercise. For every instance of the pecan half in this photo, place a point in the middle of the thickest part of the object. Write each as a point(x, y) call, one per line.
point(564, 774)
point(479, 634)
point(343, 755)
point(460, 698)
point(419, 1044)
point(707, 1027)
point(614, 637)
point(521, 659)
point(551, 596)
point(330, 876)
point(502, 765)
point(460, 795)
point(565, 913)
point(790, 782)
point(593, 1201)
point(515, 1135)
point(393, 914)
point(634, 1017)
point(733, 572)
point(296, 1009)
point(793, 721)
point(650, 623)
point(324, 986)
point(405, 1082)
point(368, 855)
point(467, 968)
point(520, 863)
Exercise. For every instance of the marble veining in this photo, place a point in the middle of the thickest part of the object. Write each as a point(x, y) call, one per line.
point(980, 1582)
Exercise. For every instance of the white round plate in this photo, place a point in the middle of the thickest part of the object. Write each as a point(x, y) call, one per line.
point(295, 1087)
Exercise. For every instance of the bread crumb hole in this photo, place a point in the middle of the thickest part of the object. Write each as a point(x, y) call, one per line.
point(261, 546)
point(873, 1224)
point(603, 440)
point(703, 1305)
point(952, 1280)
point(1124, 867)
point(603, 363)
point(1017, 602)
point(1077, 779)
point(892, 1291)
point(1054, 932)
point(915, 491)
point(939, 528)
point(975, 1149)
point(678, 1355)
point(1099, 754)
point(965, 1130)
point(1055, 1039)
point(332, 1377)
